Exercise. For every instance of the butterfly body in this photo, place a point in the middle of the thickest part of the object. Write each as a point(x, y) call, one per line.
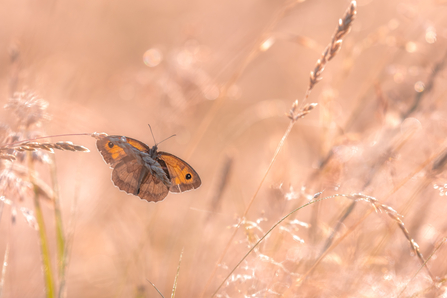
point(144, 171)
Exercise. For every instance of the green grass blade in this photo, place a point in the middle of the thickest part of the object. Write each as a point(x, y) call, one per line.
point(60, 235)
point(46, 259)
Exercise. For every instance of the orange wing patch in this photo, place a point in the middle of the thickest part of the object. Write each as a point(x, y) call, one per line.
point(111, 153)
point(137, 144)
point(183, 177)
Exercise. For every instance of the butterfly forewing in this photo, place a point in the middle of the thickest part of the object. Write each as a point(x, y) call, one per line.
point(138, 145)
point(182, 175)
point(111, 153)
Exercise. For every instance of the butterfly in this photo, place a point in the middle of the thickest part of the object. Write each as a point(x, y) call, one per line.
point(143, 171)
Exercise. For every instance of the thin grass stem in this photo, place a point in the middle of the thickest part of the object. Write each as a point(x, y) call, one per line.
point(218, 103)
point(174, 287)
point(4, 267)
point(278, 149)
point(263, 237)
point(60, 235)
point(45, 252)
point(156, 288)
point(422, 266)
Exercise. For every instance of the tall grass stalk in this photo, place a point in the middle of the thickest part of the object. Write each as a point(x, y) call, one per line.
point(296, 113)
point(174, 287)
point(4, 266)
point(45, 252)
point(60, 236)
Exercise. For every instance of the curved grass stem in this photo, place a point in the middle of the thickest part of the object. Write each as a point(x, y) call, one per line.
point(263, 237)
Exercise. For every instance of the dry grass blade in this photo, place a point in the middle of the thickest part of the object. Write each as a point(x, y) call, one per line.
point(174, 287)
point(429, 86)
point(222, 182)
point(155, 288)
point(336, 229)
point(439, 163)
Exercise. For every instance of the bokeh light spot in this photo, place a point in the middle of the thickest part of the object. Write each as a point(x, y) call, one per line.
point(419, 86)
point(410, 47)
point(267, 44)
point(430, 35)
point(152, 57)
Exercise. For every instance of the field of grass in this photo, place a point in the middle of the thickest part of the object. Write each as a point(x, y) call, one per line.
point(318, 129)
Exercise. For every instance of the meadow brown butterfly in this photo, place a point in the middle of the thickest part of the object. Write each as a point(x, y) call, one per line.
point(144, 171)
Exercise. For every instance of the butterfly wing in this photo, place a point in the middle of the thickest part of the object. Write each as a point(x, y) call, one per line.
point(182, 175)
point(133, 178)
point(153, 190)
point(114, 154)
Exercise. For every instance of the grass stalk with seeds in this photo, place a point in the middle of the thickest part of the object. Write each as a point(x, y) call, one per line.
point(424, 265)
point(438, 156)
point(296, 113)
point(30, 110)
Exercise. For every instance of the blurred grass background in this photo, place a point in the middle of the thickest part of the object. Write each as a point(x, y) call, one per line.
point(114, 67)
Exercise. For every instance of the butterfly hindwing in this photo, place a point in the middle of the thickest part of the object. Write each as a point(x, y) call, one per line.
point(125, 176)
point(133, 178)
point(182, 175)
point(153, 190)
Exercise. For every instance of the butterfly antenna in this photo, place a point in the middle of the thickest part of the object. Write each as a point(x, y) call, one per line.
point(152, 134)
point(166, 139)
point(156, 144)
